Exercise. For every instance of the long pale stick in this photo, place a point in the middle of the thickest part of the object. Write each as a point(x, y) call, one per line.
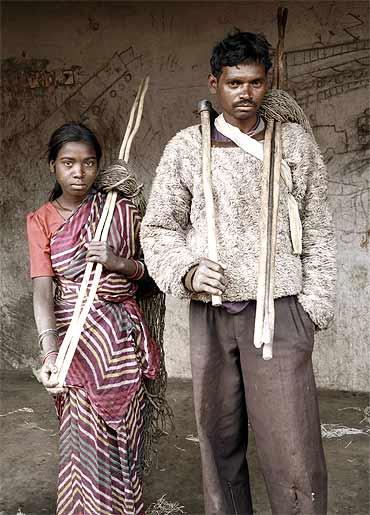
point(138, 119)
point(130, 120)
point(265, 309)
point(265, 312)
point(73, 334)
point(274, 202)
point(204, 108)
point(262, 266)
point(111, 201)
point(81, 295)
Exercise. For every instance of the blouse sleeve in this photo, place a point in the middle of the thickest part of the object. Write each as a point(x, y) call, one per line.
point(39, 248)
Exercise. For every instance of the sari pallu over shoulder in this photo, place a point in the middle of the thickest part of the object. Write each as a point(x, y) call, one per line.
point(115, 349)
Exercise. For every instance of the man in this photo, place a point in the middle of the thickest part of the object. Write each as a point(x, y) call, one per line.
point(232, 383)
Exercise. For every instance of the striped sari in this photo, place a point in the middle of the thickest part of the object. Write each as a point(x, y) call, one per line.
point(101, 415)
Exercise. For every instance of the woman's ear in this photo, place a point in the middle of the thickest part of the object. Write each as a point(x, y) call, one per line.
point(52, 167)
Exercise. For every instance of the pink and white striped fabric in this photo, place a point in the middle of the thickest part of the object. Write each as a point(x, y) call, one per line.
point(101, 415)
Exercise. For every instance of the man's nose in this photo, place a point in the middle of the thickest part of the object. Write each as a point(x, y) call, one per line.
point(246, 92)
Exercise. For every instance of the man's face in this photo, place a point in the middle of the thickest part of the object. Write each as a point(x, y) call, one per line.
point(240, 90)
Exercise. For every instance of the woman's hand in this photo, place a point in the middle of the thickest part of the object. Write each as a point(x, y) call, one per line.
point(48, 377)
point(101, 252)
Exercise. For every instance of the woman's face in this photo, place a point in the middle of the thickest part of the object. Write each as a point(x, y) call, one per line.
point(75, 169)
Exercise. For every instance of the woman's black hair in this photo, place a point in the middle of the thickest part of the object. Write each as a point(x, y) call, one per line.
point(68, 133)
point(240, 47)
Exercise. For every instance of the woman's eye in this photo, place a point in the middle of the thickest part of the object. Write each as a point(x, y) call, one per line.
point(67, 163)
point(90, 163)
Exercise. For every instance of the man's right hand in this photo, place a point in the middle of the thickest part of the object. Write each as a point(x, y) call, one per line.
point(209, 278)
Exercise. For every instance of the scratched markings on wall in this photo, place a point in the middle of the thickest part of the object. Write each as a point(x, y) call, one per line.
point(317, 74)
point(330, 82)
point(332, 74)
point(87, 98)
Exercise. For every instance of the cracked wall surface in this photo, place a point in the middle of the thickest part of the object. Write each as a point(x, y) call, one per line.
point(83, 61)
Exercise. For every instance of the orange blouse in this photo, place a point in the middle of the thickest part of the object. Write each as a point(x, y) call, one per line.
point(41, 225)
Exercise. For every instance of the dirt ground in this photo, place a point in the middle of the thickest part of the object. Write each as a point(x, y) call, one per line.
point(29, 454)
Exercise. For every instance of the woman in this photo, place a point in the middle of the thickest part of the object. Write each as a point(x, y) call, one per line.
point(101, 407)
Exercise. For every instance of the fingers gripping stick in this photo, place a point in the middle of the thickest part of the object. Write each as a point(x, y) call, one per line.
point(204, 109)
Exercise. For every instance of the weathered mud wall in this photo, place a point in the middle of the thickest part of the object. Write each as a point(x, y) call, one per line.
point(83, 61)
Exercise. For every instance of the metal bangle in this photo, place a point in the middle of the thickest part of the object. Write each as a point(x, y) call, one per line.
point(44, 333)
point(47, 354)
point(134, 274)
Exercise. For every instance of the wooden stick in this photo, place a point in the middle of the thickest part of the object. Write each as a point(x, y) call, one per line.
point(265, 309)
point(130, 121)
point(282, 18)
point(269, 322)
point(204, 108)
point(138, 119)
point(81, 295)
point(111, 201)
point(261, 280)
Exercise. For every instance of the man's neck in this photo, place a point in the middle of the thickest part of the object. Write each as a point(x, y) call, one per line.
point(245, 126)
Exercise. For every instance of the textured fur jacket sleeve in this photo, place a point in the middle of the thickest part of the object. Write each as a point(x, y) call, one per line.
point(174, 231)
point(165, 225)
point(318, 246)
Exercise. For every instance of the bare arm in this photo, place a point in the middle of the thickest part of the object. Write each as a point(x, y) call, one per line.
point(43, 308)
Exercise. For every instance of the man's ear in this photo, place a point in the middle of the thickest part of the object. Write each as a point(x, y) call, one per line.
point(212, 84)
point(52, 167)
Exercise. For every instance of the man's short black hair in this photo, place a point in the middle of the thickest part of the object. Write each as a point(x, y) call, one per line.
point(240, 47)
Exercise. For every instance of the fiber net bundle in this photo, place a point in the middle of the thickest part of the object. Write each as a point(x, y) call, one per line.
point(120, 176)
point(280, 106)
point(158, 415)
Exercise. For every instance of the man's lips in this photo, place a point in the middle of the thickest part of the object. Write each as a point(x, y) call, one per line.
point(245, 104)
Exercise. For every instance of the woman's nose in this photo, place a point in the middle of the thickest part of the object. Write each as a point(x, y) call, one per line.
point(78, 170)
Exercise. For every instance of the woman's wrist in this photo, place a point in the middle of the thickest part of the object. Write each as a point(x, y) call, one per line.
point(49, 344)
point(132, 269)
point(45, 335)
point(50, 355)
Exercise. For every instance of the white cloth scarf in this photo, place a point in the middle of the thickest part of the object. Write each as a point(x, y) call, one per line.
point(255, 148)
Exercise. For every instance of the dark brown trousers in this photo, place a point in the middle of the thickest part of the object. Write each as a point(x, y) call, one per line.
point(232, 383)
